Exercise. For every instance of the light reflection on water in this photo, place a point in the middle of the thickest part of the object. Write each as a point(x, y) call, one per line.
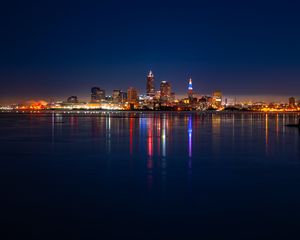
point(163, 141)
point(187, 171)
point(163, 135)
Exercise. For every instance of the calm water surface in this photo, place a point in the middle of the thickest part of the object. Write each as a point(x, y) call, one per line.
point(150, 176)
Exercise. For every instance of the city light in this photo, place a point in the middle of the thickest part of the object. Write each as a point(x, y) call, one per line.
point(161, 99)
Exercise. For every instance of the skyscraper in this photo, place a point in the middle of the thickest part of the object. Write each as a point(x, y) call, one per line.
point(190, 89)
point(97, 94)
point(123, 96)
point(132, 96)
point(116, 95)
point(150, 88)
point(165, 91)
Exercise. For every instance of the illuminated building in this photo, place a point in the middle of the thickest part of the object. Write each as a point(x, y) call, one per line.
point(72, 99)
point(108, 98)
point(97, 94)
point(292, 102)
point(150, 88)
point(190, 89)
point(165, 91)
point(204, 102)
point(116, 96)
point(132, 95)
point(157, 95)
point(230, 102)
point(217, 98)
point(123, 96)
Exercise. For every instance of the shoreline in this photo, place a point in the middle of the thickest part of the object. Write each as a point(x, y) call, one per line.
point(93, 112)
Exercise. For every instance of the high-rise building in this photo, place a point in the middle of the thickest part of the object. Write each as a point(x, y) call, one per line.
point(116, 95)
point(217, 98)
point(292, 102)
point(190, 89)
point(150, 87)
point(165, 91)
point(97, 94)
point(132, 95)
point(123, 96)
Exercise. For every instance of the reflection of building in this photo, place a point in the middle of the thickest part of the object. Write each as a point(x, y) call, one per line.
point(190, 89)
point(97, 94)
point(150, 88)
point(217, 98)
point(292, 102)
point(132, 95)
point(165, 91)
point(72, 99)
point(116, 96)
point(190, 131)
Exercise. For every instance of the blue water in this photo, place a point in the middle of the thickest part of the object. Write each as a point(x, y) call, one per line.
point(150, 176)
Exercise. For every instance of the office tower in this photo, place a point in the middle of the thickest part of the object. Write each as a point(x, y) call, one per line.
point(292, 102)
point(165, 91)
point(72, 99)
point(132, 95)
point(116, 95)
point(217, 98)
point(123, 96)
point(97, 94)
point(190, 89)
point(150, 88)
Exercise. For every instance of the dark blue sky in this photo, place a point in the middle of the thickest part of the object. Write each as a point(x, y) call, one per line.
point(61, 48)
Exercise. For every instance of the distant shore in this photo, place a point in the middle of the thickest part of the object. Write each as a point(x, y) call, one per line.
point(98, 111)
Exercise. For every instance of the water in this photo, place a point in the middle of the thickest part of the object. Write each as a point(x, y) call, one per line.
point(150, 176)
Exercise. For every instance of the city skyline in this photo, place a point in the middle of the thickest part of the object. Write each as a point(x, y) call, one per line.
point(157, 96)
point(84, 94)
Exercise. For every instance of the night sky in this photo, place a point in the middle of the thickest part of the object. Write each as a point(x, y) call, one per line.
point(62, 48)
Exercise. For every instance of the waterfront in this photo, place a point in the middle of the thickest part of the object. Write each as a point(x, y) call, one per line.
point(150, 175)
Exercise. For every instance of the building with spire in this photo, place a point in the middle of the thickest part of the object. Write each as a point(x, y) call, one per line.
point(190, 89)
point(150, 87)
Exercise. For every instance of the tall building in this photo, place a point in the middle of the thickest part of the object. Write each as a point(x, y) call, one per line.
point(217, 98)
point(150, 87)
point(132, 95)
point(165, 91)
point(190, 89)
point(292, 102)
point(123, 96)
point(97, 94)
point(116, 95)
